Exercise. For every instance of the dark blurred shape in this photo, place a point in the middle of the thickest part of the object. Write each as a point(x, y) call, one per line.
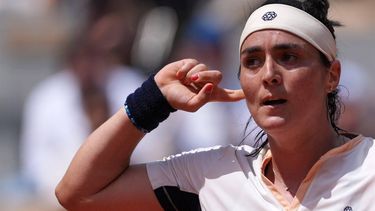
point(160, 26)
point(183, 8)
point(155, 38)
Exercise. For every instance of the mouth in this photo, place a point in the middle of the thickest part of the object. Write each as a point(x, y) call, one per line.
point(274, 102)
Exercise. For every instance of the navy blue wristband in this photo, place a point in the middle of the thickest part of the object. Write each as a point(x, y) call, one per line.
point(147, 106)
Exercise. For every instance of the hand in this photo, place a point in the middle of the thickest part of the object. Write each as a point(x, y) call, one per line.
point(188, 85)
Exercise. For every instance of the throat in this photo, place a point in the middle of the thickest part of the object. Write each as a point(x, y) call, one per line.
point(288, 189)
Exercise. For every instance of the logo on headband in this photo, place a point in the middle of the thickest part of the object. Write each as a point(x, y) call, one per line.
point(269, 16)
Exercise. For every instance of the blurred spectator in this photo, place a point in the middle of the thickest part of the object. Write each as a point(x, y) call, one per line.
point(63, 109)
point(32, 33)
point(202, 39)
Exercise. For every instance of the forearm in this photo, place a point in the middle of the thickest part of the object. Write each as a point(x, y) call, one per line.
point(100, 167)
point(101, 159)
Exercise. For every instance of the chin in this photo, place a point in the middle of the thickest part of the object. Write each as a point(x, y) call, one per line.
point(272, 123)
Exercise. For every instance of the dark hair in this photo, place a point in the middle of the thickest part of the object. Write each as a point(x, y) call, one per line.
point(319, 10)
point(316, 8)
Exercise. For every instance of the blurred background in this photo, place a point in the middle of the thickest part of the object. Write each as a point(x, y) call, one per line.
point(65, 66)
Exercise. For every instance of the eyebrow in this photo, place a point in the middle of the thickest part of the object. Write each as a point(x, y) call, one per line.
point(286, 46)
point(251, 50)
point(283, 46)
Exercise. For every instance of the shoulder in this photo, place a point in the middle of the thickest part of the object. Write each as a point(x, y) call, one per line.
point(190, 168)
point(367, 145)
point(125, 76)
point(52, 91)
point(207, 155)
point(122, 81)
point(195, 159)
point(359, 151)
point(58, 83)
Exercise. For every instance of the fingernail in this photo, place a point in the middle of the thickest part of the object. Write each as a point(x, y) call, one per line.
point(194, 77)
point(179, 75)
point(209, 88)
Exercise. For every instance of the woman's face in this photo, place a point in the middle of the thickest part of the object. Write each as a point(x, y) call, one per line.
point(284, 81)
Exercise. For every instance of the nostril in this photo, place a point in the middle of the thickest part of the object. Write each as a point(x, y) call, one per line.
point(272, 77)
point(274, 81)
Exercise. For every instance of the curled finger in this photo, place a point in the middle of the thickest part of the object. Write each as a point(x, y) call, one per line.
point(210, 76)
point(187, 65)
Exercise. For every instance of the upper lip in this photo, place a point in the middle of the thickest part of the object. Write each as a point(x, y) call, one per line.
point(270, 100)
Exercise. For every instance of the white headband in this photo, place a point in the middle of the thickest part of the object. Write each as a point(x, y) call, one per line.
point(295, 21)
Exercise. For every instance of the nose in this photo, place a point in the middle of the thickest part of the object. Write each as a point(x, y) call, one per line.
point(271, 74)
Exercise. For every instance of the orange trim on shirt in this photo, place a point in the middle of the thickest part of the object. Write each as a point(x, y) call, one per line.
point(267, 159)
point(306, 182)
point(314, 170)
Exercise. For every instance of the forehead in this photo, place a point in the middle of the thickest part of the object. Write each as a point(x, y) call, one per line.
point(271, 37)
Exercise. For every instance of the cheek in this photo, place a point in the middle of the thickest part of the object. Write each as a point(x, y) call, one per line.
point(250, 87)
point(308, 89)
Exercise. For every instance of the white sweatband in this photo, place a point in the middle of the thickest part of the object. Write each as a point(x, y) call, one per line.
point(295, 21)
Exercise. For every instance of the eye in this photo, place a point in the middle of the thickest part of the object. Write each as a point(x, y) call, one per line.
point(288, 59)
point(251, 62)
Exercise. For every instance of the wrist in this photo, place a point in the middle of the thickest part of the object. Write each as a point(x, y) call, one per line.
point(147, 106)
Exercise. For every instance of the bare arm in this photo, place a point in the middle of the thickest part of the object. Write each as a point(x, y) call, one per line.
point(99, 175)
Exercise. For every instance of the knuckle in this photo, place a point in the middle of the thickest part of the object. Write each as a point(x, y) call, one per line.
point(202, 66)
point(219, 75)
point(191, 60)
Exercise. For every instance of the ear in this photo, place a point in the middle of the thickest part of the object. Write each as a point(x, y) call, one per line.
point(333, 77)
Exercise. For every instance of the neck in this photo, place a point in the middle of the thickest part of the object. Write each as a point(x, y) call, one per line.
point(293, 155)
